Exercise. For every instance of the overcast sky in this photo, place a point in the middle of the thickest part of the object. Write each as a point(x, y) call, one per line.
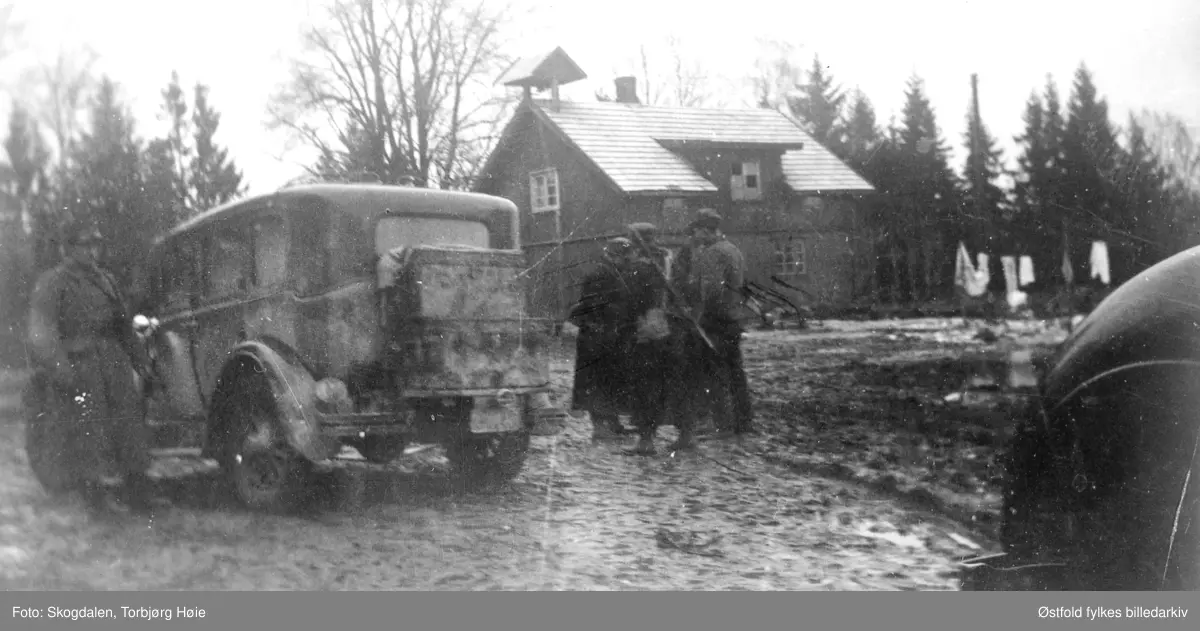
point(1143, 55)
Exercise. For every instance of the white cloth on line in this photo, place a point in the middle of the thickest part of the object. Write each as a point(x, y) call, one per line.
point(1010, 274)
point(1068, 271)
point(964, 269)
point(1017, 299)
point(1025, 277)
point(978, 280)
point(1099, 261)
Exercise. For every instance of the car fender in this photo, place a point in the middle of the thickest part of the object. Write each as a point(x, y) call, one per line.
point(293, 389)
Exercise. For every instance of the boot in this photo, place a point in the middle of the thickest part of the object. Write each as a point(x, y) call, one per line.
point(645, 446)
point(604, 431)
point(606, 426)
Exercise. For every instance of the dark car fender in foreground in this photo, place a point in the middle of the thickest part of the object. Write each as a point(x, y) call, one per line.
point(1102, 481)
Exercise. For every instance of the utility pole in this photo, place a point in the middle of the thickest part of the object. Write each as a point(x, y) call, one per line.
point(978, 161)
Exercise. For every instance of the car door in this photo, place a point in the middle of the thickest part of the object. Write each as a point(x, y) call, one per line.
point(227, 285)
point(172, 301)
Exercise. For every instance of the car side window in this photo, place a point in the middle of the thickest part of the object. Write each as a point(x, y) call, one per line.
point(350, 248)
point(270, 252)
point(230, 263)
point(178, 279)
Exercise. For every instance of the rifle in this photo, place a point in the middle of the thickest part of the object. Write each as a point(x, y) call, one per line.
point(675, 293)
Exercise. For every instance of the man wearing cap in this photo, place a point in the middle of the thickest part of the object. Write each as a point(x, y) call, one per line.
point(601, 380)
point(83, 346)
point(718, 275)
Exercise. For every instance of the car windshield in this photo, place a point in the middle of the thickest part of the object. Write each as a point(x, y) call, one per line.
point(394, 232)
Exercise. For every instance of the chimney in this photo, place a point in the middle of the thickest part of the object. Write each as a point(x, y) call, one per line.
point(627, 90)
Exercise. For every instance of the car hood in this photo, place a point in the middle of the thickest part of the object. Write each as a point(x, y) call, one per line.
point(1154, 316)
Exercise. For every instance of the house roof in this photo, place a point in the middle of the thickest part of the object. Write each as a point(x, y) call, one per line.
point(626, 141)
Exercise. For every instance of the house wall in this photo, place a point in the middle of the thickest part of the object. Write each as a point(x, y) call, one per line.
point(592, 210)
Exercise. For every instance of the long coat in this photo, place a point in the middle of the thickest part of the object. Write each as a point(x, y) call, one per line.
point(601, 380)
point(79, 319)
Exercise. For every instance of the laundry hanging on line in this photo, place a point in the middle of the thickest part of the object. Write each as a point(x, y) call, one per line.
point(1099, 261)
point(1013, 294)
point(1009, 264)
point(1068, 272)
point(1025, 274)
point(973, 279)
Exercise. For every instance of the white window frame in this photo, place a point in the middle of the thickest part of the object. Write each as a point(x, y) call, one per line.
point(737, 181)
point(791, 257)
point(540, 185)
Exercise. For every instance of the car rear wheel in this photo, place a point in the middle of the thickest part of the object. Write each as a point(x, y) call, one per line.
point(488, 459)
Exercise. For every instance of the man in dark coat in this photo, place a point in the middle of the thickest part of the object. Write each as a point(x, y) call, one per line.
point(659, 337)
point(718, 277)
point(83, 347)
point(601, 380)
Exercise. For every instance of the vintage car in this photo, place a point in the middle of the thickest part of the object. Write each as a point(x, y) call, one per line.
point(1103, 484)
point(292, 324)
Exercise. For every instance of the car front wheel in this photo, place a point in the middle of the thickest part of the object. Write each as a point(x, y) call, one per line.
point(261, 469)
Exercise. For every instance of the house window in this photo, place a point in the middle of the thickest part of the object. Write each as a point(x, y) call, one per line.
point(790, 258)
point(745, 183)
point(544, 191)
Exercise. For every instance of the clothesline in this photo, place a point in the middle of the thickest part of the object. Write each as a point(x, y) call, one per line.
point(974, 277)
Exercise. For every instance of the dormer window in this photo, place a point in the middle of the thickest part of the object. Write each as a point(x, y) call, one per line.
point(543, 191)
point(745, 182)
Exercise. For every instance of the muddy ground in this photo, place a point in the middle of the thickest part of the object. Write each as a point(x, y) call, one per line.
point(865, 477)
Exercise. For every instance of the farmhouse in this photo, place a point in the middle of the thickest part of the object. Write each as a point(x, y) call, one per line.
point(580, 171)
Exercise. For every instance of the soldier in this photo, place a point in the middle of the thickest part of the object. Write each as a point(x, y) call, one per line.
point(600, 377)
point(718, 276)
point(655, 359)
point(82, 343)
point(701, 386)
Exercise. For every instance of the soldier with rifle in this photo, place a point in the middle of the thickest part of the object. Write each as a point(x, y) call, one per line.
point(718, 279)
point(601, 379)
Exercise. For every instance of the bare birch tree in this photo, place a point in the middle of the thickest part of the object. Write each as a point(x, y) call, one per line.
point(1174, 146)
point(58, 93)
point(396, 90)
point(776, 75)
point(668, 75)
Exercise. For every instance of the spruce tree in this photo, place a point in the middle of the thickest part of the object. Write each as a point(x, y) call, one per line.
point(984, 202)
point(820, 106)
point(928, 194)
point(105, 185)
point(1090, 155)
point(214, 177)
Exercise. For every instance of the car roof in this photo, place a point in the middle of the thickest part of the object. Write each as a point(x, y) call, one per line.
point(364, 200)
point(1154, 316)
